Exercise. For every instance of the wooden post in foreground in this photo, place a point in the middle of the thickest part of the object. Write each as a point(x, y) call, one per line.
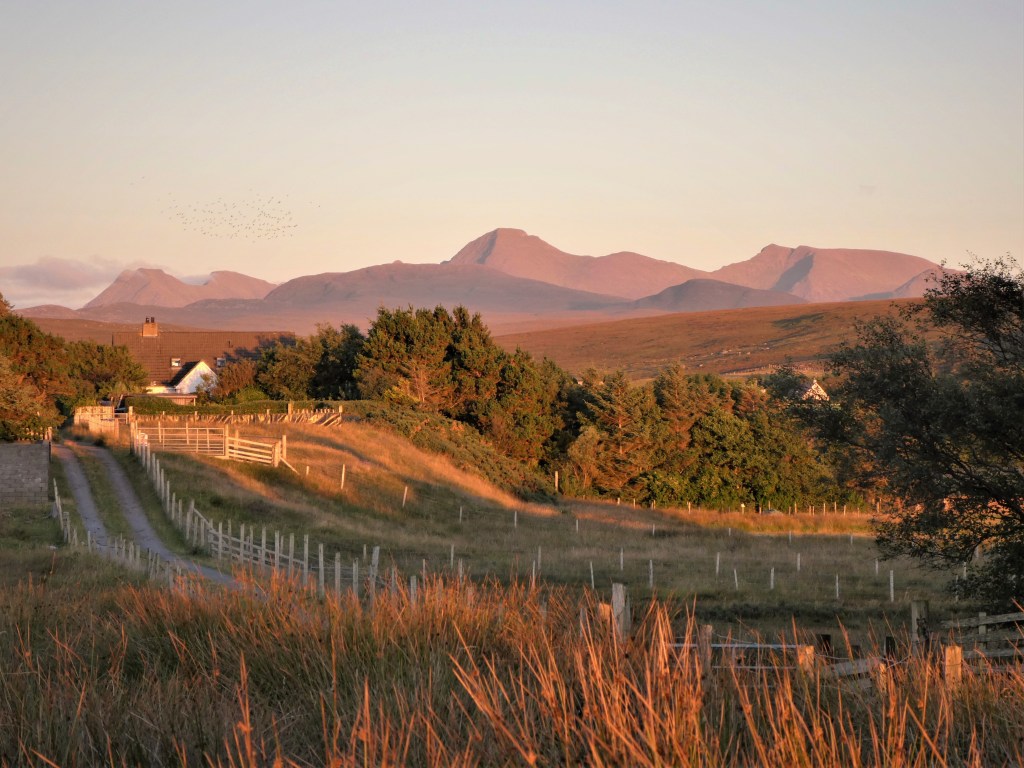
point(704, 635)
point(919, 622)
point(952, 664)
point(621, 611)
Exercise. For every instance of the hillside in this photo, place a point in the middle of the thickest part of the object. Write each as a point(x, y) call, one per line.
point(354, 297)
point(516, 281)
point(626, 274)
point(157, 288)
point(704, 295)
point(727, 341)
point(825, 274)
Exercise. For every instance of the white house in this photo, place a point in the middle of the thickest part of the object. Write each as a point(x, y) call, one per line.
point(188, 381)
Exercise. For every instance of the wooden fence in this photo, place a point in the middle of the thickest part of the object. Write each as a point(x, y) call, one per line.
point(211, 441)
point(245, 547)
point(97, 418)
point(321, 416)
point(988, 637)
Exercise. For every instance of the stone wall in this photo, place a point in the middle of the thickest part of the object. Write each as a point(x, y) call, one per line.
point(24, 475)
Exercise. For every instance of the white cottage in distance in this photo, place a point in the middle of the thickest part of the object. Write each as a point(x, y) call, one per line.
point(813, 391)
point(188, 381)
point(178, 361)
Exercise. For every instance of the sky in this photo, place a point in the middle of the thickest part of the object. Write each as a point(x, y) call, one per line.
point(286, 139)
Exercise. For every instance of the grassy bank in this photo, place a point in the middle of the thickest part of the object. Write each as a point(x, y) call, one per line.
point(745, 571)
point(467, 674)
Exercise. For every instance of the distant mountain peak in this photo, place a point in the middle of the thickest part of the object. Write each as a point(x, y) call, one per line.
point(825, 274)
point(152, 286)
point(520, 254)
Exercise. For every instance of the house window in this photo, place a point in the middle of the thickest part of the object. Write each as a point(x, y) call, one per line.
point(220, 362)
point(175, 362)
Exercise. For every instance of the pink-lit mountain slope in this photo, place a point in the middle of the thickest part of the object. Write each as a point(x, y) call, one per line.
point(626, 274)
point(155, 287)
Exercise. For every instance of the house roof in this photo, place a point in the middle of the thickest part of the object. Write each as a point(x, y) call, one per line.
point(183, 372)
point(156, 353)
point(812, 391)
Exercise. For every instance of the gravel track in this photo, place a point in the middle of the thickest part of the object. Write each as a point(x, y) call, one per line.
point(131, 507)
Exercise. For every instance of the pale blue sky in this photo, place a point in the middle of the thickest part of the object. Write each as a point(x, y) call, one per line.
point(351, 134)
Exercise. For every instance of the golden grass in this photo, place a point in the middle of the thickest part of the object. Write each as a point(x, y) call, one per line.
point(467, 674)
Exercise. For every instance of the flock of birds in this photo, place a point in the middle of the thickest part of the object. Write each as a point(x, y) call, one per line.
point(253, 219)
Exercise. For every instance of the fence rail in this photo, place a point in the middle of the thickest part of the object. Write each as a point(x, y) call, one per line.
point(211, 441)
point(988, 637)
point(244, 546)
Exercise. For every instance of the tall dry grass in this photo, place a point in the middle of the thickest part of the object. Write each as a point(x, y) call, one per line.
point(467, 674)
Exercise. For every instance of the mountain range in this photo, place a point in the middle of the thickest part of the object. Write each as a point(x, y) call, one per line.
point(516, 281)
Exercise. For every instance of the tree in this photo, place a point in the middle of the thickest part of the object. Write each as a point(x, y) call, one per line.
point(405, 357)
point(286, 370)
point(103, 371)
point(932, 405)
point(25, 412)
point(627, 421)
point(334, 372)
point(234, 377)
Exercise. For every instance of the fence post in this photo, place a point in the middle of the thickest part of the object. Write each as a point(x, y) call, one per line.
point(412, 588)
point(704, 636)
point(952, 664)
point(620, 610)
point(220, 540)
point(321, 574)
point(919, 622)
point(305, 560)
point(355, 577)
point(337, 574)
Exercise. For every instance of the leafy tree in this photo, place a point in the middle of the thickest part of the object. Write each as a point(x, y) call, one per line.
point(286, 370)
point(405, 357)
point(37, 356)
point(626, 419)
point(477, 367)
point(932, 404)
point(334, 371)
point(234, 377)
point(523, 414)
point(101, 371)
point(25, 412)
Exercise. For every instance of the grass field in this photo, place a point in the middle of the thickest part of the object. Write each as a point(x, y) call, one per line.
point(100, 667)
point(743, 572)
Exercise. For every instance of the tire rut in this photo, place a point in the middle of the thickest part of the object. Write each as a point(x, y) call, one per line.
point(131, 507)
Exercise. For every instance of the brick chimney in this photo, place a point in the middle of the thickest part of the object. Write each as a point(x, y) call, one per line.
point(149, 328)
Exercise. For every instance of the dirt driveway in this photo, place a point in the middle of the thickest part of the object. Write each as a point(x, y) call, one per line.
point(130, 507)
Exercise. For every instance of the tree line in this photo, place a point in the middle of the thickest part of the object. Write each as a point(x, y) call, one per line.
point(927, 409)
point(681, 438)
point(43, 377)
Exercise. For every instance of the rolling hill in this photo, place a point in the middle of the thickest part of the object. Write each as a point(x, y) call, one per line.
point(156, 288)
point(700, 295)
point(626, 274)
point(825, 274)
point(730, 342)
point(516, 281)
